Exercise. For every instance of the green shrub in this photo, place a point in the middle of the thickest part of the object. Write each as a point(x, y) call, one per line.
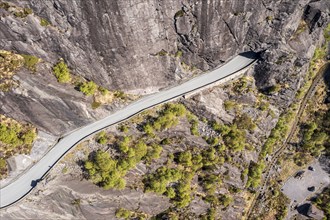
point(169, 116)
point(102, 138)
point(62, 72)
point(254, 174)
point(30, 62)
point(88, 88)
point(141, 150)
point(183, 197)
point(194, 127)
point(274, 89)
point(170, 193)
point(123, 128)
point(210, 157)
point(103, 90)
point(264, 106)
point(210, 183)
point(95, 105)
point(103, 170)
point(158, 181)
point(154, 152)
point(235, 139)
point(10, 135)
point(226, 200)
point(123, 146)
point(184, 158)
point(148, 129)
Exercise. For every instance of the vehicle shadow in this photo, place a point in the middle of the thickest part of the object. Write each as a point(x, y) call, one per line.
point(35, 182)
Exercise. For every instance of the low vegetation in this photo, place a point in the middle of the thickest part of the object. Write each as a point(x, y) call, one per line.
point(102, 170)
point(88, 88)
point(3, 168)
point(30, 62)
point(44, 22)
point(62, 72)
point(22, 12)
point(9, 64)
point(122, 213)
point(254, 174)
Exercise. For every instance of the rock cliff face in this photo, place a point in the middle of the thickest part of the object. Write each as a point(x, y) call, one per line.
point(141, 46)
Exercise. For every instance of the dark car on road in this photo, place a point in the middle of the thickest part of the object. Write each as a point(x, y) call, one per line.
point(311, 168)
point(311, 189)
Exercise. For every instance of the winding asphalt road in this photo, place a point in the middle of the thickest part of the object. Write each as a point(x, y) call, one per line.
point(28, 180)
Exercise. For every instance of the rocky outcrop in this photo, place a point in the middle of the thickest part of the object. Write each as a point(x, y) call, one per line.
point(131, 45)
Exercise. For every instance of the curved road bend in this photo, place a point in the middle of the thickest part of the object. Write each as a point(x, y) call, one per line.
point(28, 180)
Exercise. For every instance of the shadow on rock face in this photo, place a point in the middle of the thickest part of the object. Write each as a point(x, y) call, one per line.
point(250, 54)
point(303, 209)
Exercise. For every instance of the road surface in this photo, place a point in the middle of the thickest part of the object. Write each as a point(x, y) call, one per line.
point(27, 181)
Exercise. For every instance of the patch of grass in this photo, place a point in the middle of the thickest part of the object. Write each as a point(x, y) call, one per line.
point(62, 72)
point(30, 62)
point(44, 22)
